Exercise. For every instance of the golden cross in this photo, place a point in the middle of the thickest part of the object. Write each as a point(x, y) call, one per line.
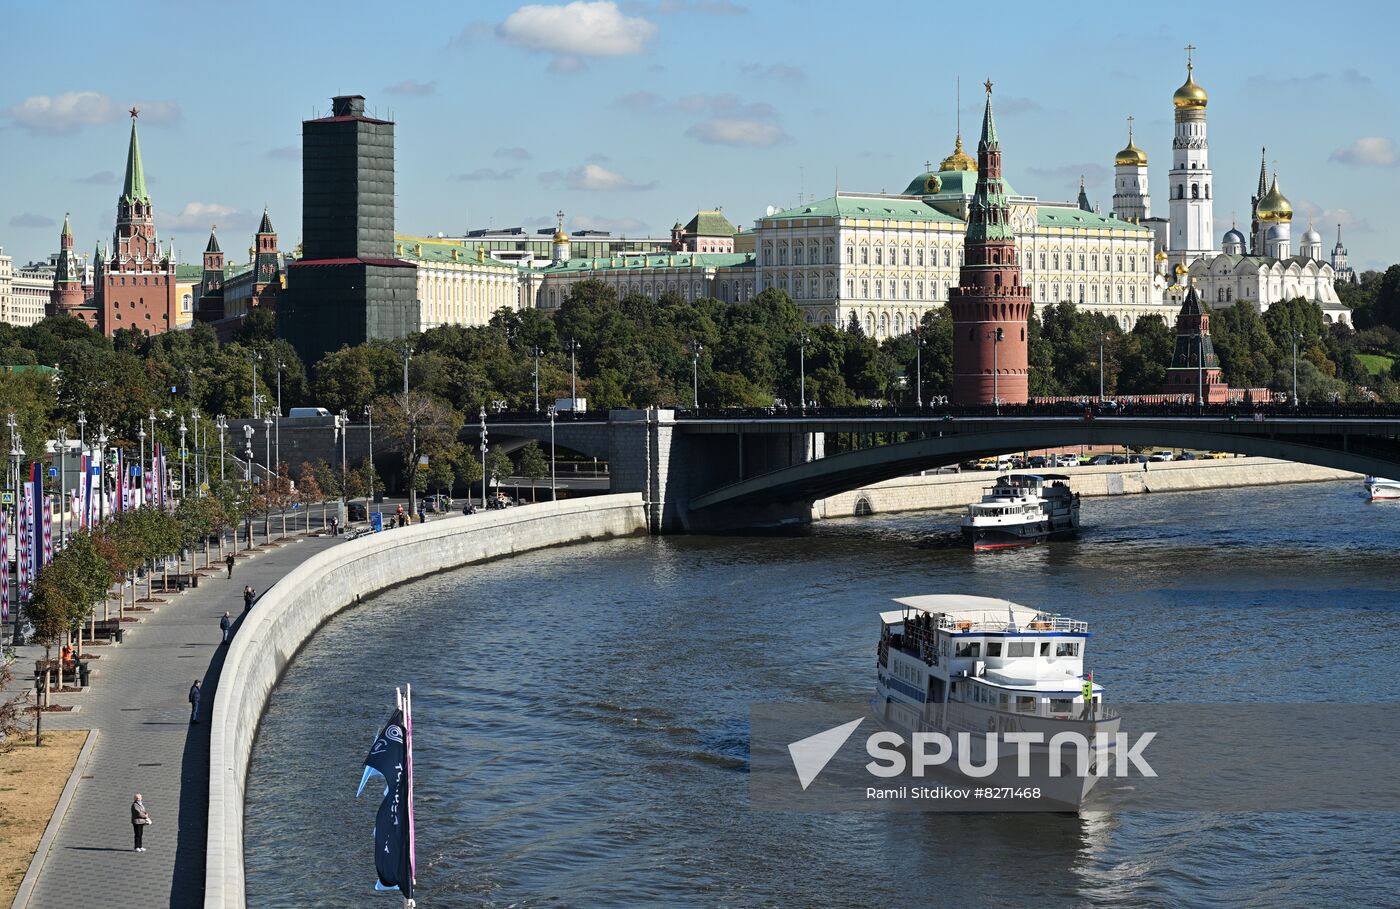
point(1130, 127)
point(1189, 49)
point(988, 85)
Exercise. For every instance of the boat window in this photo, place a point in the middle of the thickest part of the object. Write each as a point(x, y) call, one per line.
point(1020, 648)
point(994, 648)
point(1045, 648)
point(1003, 700)
point(1025, 704)
point(969, 649)
point(1060, 705)
point(1067, 649)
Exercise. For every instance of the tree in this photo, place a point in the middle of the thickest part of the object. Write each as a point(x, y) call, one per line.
point(13, 720)
point(532, 463)
point(498, 465)
point(422, 425)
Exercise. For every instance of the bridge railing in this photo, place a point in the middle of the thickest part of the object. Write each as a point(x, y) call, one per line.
point(1087, 408)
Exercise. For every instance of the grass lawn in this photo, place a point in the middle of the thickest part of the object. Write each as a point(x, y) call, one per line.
point(1376, 363)
point(31, 780)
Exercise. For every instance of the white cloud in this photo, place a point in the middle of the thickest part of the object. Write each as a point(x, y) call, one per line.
point(488, 173)
point(1325, 220)
point(577, 30)
point(1368, 151)
point(201, 215)
point(514, 153)
point(65, 113)
point(737, 131)
point(412, 88)
point(593, 178)
point(32, 220)
point(615, 225)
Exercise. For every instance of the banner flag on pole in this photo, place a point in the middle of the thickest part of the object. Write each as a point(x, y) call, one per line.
point(47, 529)
point(24, 555)
point(391, 758)
point(34, 490)
point(4, 566)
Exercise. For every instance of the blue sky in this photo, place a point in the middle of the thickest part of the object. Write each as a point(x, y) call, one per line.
point(631, 115)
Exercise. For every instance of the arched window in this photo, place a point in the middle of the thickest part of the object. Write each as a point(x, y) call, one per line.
point(884, 324)
point(864, 288)
point(905, 288)
point(919, 256)
point(850, 254)
point(906, 255)
point(850, 287)
point(865, 255)
point(869, 324)
point(879, 289)
point(899, 323)
point(879, 255)
point(1195, 190)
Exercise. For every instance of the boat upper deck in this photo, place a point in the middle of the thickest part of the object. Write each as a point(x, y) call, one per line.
point(958, 614)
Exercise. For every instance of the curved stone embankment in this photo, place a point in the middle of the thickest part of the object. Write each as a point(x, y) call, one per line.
point(957, 490)
point(291, 611)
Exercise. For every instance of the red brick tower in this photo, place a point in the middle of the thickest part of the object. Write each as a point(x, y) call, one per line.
point(67, 294)
point(990, 306)
point(136, 287)
point(267, 280)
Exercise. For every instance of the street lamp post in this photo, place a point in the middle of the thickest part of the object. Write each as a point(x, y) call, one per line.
point(483, 457)
point(996, 338)
point(407, 351)
point(802, 340)
point(344, 464)
point(221, 424)
point(253, 364)
point(537, 353)
point(198, 450)
point(61, 455)
point(248, 432)
point(267, 447)
point(277, 446)
point(1100, 366)
point(183, 452)
point(369, 418)
point(16, 454)
point(1298, 336)
point(573, 374)
point(919, 368)
point(695, 348)
point(553, 489)
point(141, 464)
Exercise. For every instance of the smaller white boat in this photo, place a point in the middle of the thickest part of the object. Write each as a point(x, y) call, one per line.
point(1021, 510)
point(1381, 488)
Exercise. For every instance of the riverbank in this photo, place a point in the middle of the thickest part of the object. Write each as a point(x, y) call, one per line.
point(290, 612)
point(921, 493)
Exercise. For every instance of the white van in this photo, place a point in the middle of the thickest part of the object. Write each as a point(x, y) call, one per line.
point(308, 412)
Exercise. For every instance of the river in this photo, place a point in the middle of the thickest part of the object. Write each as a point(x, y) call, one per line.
point(580, 714)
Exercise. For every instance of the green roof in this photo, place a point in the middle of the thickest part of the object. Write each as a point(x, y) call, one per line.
point(442, 252)
point(886, 208)
point(1057, 216)
point(134, 186)
point(710, 224)
point(659, 260)
point(188, 271)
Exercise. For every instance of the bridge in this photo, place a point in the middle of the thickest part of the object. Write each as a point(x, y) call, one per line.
point(723, 469)
point(718, 469)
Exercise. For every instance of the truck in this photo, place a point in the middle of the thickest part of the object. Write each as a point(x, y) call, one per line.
point(576, 405)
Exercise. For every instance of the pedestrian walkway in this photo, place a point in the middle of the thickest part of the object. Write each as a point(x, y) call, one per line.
point(146, 744)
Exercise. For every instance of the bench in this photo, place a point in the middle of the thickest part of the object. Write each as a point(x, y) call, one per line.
point(62, 672)
point(108, 628)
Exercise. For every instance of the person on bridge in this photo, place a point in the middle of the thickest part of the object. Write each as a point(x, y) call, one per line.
point(224, 625)
point(229, 562)
point(249, 595)
point(140, 818)
point(194, 702)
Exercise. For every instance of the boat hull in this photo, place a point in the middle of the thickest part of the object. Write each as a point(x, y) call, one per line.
point(1378, 488)
point(1011, 537)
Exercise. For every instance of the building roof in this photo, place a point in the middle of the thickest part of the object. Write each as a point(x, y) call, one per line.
point(213, 245)
point(419, 251)
point(134, 186)
point(654, 261)
point(1058, 216)
point(710, 223)
point(949, 183)
point(266, 226)
point(887, 208)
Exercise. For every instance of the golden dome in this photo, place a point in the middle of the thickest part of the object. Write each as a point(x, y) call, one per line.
point(560, 236)
point(959, 159)
point(1190, 94)
point(1275, 207)
point(1161, 255)
point(1132, 156)
point(1180, 269)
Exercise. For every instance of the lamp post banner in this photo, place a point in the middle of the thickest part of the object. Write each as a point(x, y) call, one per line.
point(4, 566)
point(34, 491)
point(24, 555)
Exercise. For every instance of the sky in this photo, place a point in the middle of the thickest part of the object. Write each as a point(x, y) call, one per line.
point(633, 114)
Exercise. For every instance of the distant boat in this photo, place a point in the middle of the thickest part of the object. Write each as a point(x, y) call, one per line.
point(1022, 510)
point(1381, 488)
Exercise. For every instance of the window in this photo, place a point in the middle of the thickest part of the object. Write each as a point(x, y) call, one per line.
point(1042, 260)
point(905, 288)
point(919, 256)
point(797, 253)
point(905, 258)
point(892, 259)
point(864, 288)
point(1094, 262)
point(1020, 648)
point(879, 255)
point(1057, 261)
point(1025, 704)
point(865, 255)
point(879, 290)
point(947, 257)
point(918, 290)
point(1045, 648)
point(1067, 649)
point(850, 254)
point(1120, 263)
point(185, 302)
point(850, 287)
point(1060, 705)
point(972, 649)
point(994, 648)
point(1081, 261)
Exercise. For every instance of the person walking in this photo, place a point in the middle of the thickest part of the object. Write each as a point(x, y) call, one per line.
point(224, 625)
point(140, 819)
point(194, 702)
point(229, 562)
point(248, 596)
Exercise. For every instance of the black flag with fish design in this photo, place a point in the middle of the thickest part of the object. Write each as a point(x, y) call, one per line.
point(389, 757)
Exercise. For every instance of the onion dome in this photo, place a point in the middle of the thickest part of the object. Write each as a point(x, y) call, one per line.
point(560, 236)
point(959, 159)
point(1311, 236)
point(1190, 95)
point(1161, 255)
point(1274, 207)
point(1180, 269)
point(1233, 235)
point(1131, 156)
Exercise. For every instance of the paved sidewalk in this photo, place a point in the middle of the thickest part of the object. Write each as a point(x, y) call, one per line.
point(147, 745)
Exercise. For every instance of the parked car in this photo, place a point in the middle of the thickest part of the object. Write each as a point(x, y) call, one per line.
point(1216, 456)
point(1137, 459)
point(298, 412)
point(1066, 460)
point(356, 511)
point(1036, 462)
point(1117, 459)
point(1163, 456)
point(439, 503)
point(1098, 460)
point(1187, 456)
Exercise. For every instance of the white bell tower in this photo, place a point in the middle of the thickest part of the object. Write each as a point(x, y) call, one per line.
point(1192, 203)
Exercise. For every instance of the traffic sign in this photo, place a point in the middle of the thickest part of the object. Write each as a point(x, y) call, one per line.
point(136, 470)
point(7, 498)
point(184, 454)
point(53, 471)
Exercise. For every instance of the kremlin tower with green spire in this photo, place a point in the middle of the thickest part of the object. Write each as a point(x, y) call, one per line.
point(135, 284)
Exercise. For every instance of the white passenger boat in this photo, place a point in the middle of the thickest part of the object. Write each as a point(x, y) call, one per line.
point(1022, 509)
point(953, 663)
point(1381, 488)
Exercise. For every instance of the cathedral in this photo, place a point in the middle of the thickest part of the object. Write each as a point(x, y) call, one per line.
point(1262, 268)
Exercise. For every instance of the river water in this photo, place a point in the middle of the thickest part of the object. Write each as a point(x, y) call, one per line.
point(581, 714)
